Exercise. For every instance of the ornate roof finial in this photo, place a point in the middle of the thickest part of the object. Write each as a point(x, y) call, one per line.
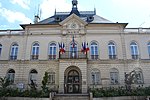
point(74, 4)
point(74, 8)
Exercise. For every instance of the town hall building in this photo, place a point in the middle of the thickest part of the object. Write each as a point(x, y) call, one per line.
point(78, 49)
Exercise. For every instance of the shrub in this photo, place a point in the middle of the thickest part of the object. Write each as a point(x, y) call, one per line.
point(120, 91)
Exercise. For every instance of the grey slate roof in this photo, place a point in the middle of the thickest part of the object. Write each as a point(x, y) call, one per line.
point(84, 15)
point(99, 19)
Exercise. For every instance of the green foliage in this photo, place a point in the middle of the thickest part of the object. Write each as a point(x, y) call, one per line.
point(27, 93)
point(121, 91)
point(45, 82)
point(4, 82)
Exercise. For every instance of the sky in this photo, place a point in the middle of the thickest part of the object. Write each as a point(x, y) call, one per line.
point(15, 12)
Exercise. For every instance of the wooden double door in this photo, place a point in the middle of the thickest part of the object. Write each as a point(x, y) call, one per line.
point(73, 82)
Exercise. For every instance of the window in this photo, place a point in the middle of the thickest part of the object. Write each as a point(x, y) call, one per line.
point(52, 51)
point(51, 77)
point(94, 50)
point(33, 76)
point(139, 76)
point(112, 50)
point(0, 49)
point(95, 76)
point(134, 50)
point(114, 76)
point(11, 75)
point(14, 52)
point(148, 45)
point(35, 51)
point(73, 50)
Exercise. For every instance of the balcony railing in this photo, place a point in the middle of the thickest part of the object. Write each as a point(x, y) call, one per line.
point(73, 55)
point(13, 57)
point(34, 57)
point(94, 56)
point(135, 56)
point(112, 56)
point(51, 57)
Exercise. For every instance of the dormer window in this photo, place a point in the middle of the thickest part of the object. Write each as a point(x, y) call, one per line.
point(90, 18)
point(57, 19)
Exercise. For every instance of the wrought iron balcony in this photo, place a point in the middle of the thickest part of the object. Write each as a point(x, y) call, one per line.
point(52, 57)
point(112, 56)
point(135, 57)
point(13, 57)
point(34, 57)
point(72, 55)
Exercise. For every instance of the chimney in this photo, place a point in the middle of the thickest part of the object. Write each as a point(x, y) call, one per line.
point(36, 19)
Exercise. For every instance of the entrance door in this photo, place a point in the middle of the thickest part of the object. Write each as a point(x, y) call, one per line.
point(73, 82)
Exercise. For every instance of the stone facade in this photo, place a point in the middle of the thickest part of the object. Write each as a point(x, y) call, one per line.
point(73, 27)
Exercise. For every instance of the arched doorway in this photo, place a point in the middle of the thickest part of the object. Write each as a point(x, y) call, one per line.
point(72, 80)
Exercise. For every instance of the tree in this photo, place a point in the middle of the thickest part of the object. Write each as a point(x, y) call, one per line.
point(130, 79)
point(45, 82)
point(4, 82)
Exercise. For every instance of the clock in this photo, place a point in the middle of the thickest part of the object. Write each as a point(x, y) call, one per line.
point(73, 25)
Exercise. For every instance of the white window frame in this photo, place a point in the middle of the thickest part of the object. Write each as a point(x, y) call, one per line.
point(35, 47)
point(94, 49)
point(140, 78)
point(0, 49)
point(114, 77)
point(148, 46)
point(14, 52)
point(134, 49)
point(51, 77)
point(52, 50)
point(11, 76)
point(112, 49)
point(95, 77)
point(33, 76)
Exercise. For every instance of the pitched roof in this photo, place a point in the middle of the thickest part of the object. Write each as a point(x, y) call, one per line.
point(87, 16)
point(99, 19)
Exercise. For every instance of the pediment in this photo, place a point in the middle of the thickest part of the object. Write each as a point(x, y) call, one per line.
point(73, 22)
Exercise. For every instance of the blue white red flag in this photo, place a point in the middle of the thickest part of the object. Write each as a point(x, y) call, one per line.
point(73, 42)
point(61, 47)
point(85, 47)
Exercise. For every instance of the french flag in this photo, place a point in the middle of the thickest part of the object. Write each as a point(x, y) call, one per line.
point(85, 47)
point(73, 42)
point(61, 47)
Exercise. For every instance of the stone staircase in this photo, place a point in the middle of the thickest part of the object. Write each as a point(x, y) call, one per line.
point(71, 97)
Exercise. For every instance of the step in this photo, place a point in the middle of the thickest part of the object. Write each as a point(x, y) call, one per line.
point(71, 97)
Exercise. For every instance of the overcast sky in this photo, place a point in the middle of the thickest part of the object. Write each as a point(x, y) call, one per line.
point(16, 12)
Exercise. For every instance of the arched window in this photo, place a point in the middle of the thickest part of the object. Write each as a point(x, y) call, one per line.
point(11, 75)
point(95, 76)
point(73, 50)
point(112, 50)
point(35, 51)
point(114, 76)
point(94, 50)
point(51, 77)
point(33, 76)
point(134, 50)
point(52, 51)
point(0, 49)
point(148, 45)
point(139, 76)
point(14, 52)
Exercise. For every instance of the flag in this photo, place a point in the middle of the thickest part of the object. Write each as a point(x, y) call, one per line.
point(73, 42)
point(85, 47)
point(61, 47)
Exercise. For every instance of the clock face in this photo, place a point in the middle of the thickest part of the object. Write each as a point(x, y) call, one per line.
point(73, 25)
